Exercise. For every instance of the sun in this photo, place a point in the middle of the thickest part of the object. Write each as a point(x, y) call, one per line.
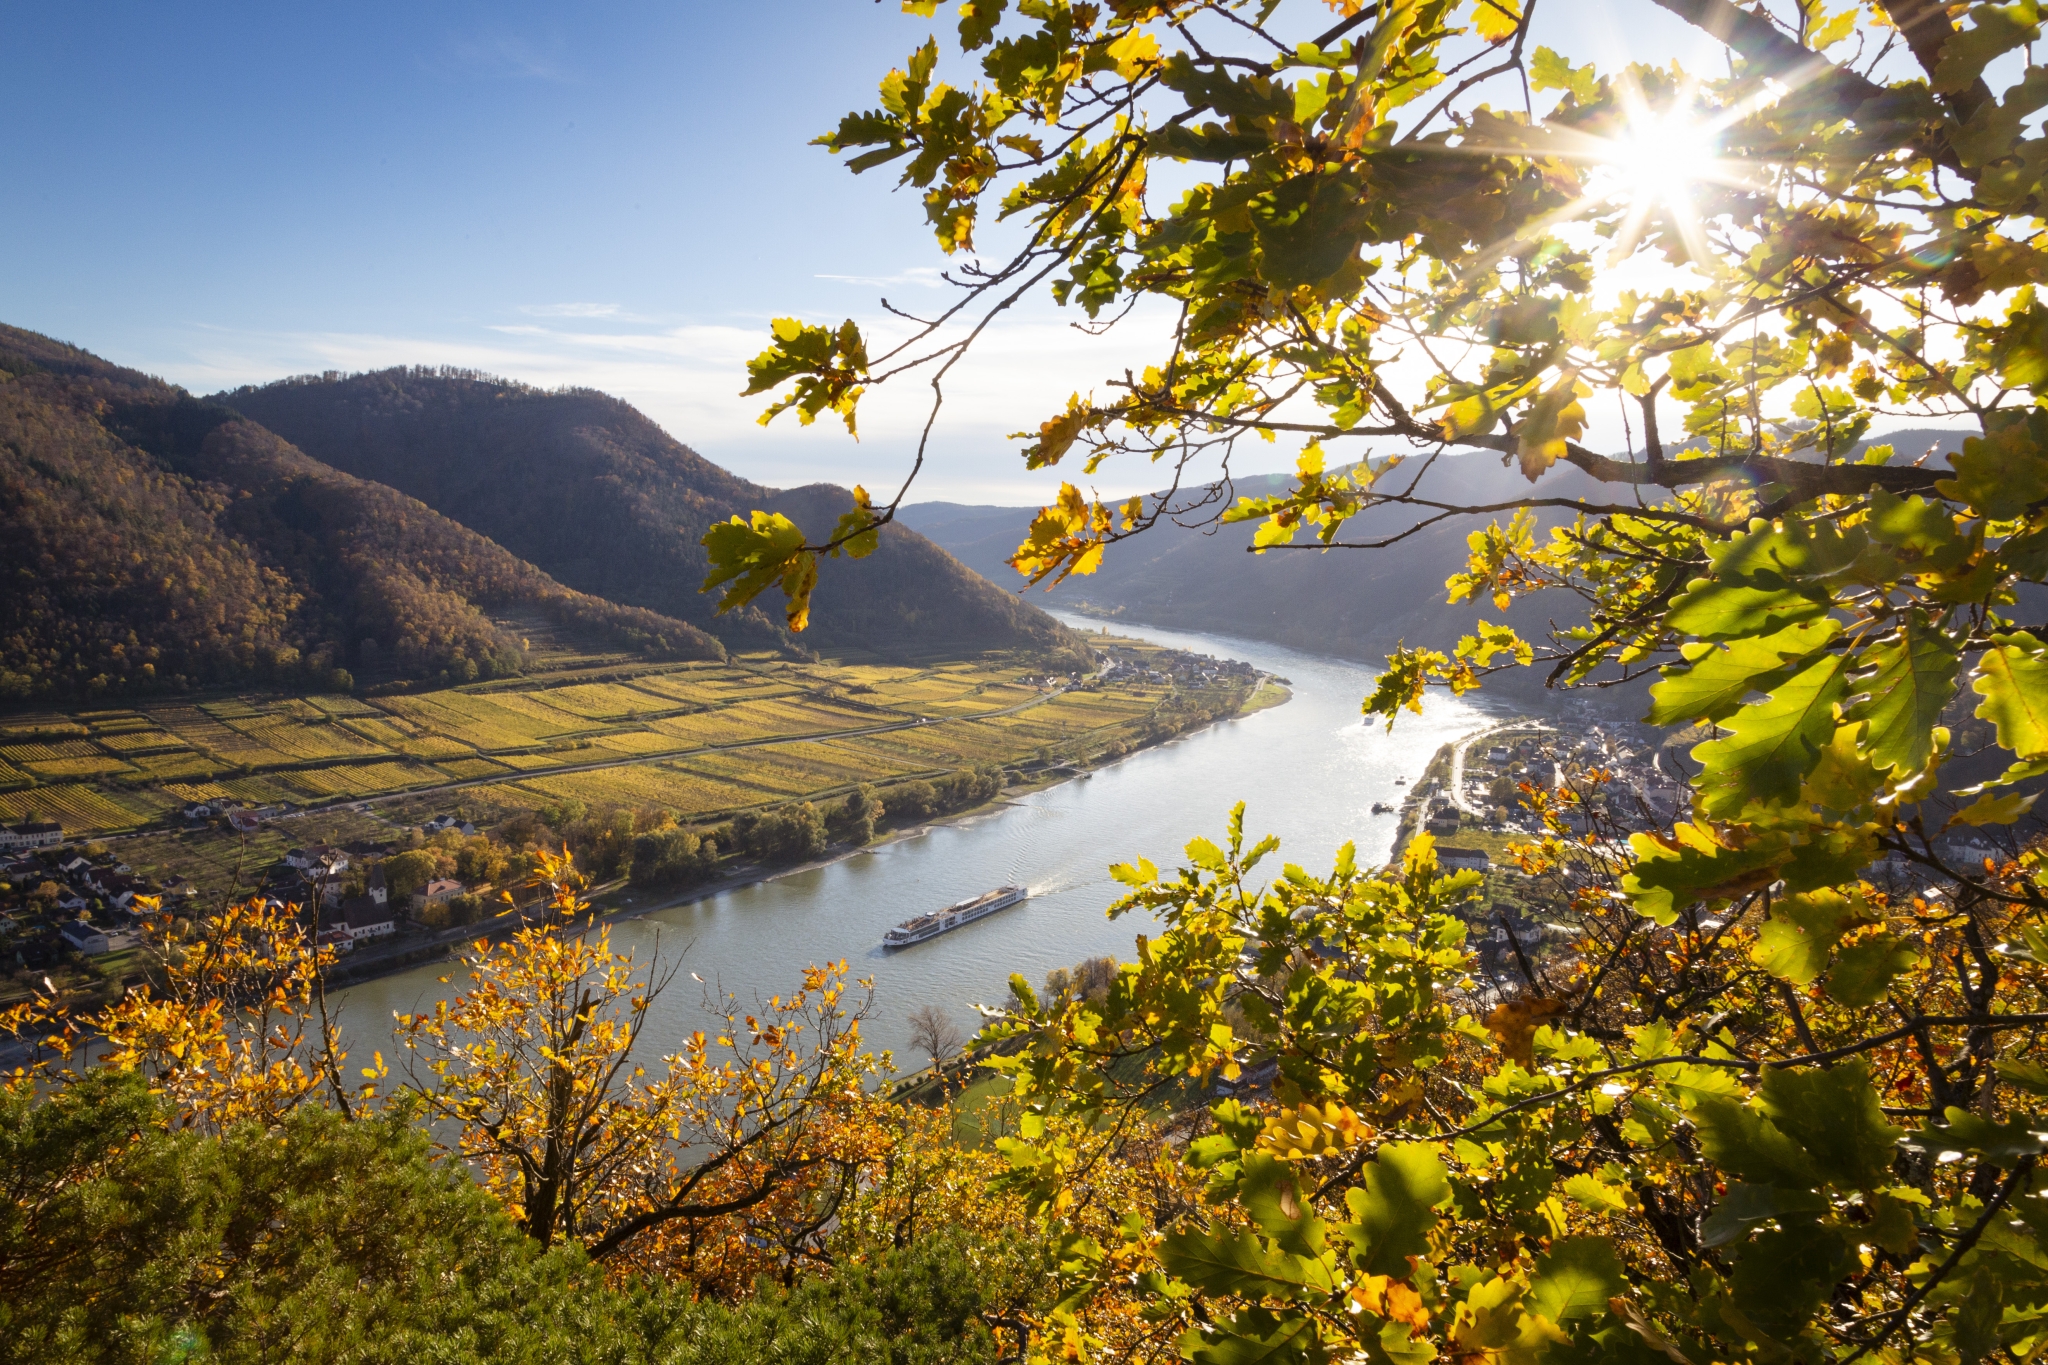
point(1649, 179)
point(1657, 160)
point(1653, 168)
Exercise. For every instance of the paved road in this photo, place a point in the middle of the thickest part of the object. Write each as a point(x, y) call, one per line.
point(1458, 761)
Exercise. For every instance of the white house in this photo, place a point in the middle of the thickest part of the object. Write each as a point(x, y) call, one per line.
point(85, 938)
point(1459, 859)
point(320, 860)
point(365, 919)
point(436, 891)
point(36, 834)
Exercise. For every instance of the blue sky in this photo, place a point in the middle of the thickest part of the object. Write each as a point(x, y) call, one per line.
point(611, 194)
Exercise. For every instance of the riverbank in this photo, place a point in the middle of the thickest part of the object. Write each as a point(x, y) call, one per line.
point(1307, 771)
point(617, 900)
point(1444, 778)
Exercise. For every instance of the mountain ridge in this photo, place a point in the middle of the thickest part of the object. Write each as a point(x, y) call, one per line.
point(153, 542)
point(592, 491)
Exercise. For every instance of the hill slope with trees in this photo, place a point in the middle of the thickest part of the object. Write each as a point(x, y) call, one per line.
point(589, 489)
point(153, 542)
point(1194, 574)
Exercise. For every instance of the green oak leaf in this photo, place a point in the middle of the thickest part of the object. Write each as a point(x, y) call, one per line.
point(1717, 678)
point(1912, 677)
point(857, 532)
point(1394, 1210)
point(2000, 475)
point(1746, 1205)
point(2012, 677)
point(1972, 1133)
point(1926, 530)
point(1785, 1275)
point(1772, 556)
point(1775, 743)
point(1834, 1115)
point(2028, 1076)
point(1710, 609)
point(1269, 1192)
point(1864, 970)
point(1830, 854)
point(1994, 31)
point(1696, 863)
point(1742, 1141)
point(1221, 1261)
point(1794, 943)
point(1576, 1279)
point(751, 556)
point(1256, 1336)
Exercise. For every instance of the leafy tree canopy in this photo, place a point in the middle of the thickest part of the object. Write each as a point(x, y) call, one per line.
point(1761, 1110)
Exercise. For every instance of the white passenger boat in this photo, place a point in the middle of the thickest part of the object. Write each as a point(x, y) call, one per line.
point(953, 916)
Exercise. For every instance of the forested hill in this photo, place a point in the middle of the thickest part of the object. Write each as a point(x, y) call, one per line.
point(587, 488)
point(1354, 604)
point(153, 542)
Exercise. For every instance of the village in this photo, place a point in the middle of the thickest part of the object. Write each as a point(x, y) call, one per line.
point(1609, 780)
point(61, 900)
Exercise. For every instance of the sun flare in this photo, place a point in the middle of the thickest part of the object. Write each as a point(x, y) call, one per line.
point(1658, 160)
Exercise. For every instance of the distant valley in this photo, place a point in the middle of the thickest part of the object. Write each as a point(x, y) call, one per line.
point(1351, 604)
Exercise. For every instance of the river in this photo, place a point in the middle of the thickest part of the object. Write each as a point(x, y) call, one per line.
point(1308, 771)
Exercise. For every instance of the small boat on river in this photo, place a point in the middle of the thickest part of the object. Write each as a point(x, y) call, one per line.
point(953, 916)
point(1381, 808)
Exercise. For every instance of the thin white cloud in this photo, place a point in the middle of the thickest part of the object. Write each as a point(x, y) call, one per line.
point(923, 276)
point(688, 379)
point(506, 57)
point(571, 310)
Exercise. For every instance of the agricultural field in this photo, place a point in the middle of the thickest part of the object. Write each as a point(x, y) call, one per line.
point(607, 702)
point(692, 688)
point(72, 769)
point(771, 719)
point(486, 723)
point(877, 755)
point(645, 784)
point(636, 742)
point(641, 735)
point(143, 740)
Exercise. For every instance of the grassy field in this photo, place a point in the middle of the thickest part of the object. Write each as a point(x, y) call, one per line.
point(699, 739)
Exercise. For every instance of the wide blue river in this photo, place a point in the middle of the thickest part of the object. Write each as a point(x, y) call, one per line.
point(1308, 771)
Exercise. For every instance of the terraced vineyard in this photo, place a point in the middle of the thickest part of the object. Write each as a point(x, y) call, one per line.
point(699, 739)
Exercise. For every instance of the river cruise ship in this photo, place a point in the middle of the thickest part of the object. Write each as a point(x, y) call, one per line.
point(953, 916)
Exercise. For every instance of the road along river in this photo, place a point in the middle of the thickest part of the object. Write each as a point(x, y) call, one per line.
point(1308, 771)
